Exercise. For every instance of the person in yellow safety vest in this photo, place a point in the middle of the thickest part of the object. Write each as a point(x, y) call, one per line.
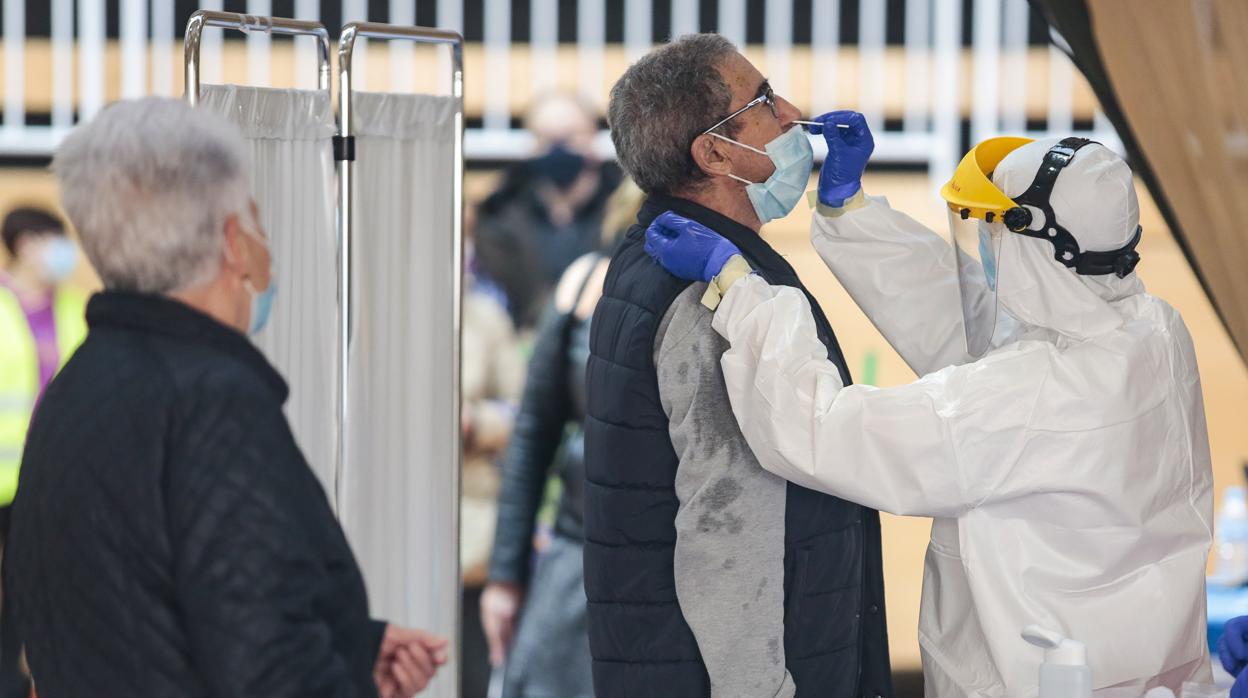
point(41, 323)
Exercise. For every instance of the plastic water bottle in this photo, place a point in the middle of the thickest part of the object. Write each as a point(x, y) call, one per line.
point(1065, 672)
point(1232, 539)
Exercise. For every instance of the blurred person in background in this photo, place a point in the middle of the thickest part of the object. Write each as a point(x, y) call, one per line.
point(547, 211)
point(41, 323)
point(168, 537)
point(535, 619)
point(492, 376)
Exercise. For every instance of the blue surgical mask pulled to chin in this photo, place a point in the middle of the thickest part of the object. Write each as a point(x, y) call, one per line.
point(793, 157)
point(261, 305)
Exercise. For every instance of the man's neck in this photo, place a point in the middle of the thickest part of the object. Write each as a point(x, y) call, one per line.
point(730, 204)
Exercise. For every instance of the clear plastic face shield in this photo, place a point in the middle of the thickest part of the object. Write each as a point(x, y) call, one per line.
point(977, 250)
point(976, 230)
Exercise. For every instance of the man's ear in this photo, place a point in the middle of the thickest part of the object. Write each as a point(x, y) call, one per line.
point(711, 155)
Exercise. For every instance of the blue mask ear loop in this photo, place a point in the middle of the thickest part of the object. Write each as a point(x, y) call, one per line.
point(743, 145)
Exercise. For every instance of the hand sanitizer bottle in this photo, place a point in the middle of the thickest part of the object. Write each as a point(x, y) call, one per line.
point(1065, 672)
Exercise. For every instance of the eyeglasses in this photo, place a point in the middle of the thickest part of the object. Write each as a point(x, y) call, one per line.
point(768, 97)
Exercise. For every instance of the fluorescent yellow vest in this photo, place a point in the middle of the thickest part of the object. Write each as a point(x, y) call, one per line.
point(19, 373)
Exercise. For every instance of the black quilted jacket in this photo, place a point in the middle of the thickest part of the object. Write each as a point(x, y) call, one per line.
point(548, 432)
point(168, 538)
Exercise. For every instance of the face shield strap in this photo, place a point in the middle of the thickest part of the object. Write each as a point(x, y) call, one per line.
point(1121, 261)
point(1066, 250)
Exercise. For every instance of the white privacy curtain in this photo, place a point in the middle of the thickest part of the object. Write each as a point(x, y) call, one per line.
point(399, 486)
point(290, 136)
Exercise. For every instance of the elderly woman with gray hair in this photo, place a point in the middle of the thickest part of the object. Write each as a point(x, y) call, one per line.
point(168, 537)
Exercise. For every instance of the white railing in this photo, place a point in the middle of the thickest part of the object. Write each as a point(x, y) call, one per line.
point(926, 88)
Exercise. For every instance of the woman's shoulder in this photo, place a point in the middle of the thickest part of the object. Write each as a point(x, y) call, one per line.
point(574, 279)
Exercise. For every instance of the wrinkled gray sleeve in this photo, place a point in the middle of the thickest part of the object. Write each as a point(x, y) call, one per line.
point(729, 558)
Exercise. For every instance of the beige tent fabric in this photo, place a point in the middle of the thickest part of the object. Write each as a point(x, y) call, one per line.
point(1179, 70)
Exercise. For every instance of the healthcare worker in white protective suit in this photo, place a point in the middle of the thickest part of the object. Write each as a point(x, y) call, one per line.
point(1057, 435)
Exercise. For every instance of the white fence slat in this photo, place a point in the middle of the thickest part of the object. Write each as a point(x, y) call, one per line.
point(732, 21)
point(825, 39)
point(986, 80)
point(497, 48)
point(14, 67)
point(90, 57)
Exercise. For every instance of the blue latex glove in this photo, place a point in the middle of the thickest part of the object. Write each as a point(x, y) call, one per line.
point(848, 152)
point(1240, 689)
point(687, 249)
point(1233, 651)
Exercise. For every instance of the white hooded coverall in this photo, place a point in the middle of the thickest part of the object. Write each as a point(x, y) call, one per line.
point(1067, 470)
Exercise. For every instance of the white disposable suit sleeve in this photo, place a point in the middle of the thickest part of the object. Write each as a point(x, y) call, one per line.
point(935, 447)
point(902, 275)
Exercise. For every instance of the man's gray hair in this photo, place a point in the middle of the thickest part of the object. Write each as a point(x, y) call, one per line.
point(149, 184)
point(662, 103)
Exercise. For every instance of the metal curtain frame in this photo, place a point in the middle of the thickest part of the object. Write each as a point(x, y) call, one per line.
point(195, 26)
point(248, 23)
point(346, 173)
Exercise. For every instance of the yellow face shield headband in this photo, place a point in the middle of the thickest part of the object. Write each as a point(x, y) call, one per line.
point(970, 193)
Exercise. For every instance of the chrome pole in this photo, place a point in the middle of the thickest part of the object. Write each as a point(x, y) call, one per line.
point(346, 168)
point(190, 51)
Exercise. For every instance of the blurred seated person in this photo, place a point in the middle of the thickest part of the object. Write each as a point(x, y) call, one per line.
point(535, 615)
point(547, 211)
point(41, 323)
point(168, 537)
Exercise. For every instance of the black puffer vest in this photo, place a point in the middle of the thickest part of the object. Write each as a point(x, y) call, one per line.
point(834, 631)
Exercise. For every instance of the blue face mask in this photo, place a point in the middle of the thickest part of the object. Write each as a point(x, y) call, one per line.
point(261, 301)
point(261, 305)
point(792, 155)
point(987, 258)
point(59, 257)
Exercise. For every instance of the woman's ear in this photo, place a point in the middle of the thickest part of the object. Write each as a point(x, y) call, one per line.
point(711, 155)
point(234, 251)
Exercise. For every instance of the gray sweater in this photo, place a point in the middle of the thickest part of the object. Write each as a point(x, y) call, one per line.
point(729, 558)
